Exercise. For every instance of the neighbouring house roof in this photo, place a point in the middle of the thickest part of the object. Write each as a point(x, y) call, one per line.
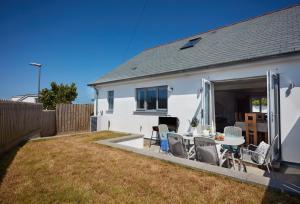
point(273, 34)
point(31, 95)
point(24, 96)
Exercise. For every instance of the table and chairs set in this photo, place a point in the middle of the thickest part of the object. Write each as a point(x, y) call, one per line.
point(221, 149)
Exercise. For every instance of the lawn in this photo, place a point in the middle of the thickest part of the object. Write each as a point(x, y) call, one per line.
point(76, 170)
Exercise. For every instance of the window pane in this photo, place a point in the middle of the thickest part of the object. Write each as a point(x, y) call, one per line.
point(255, 105)
point(140, 98)
point(191, 43)
point(110, 99)
point(264, 105)
point(151, 98)
point(162, 97)
point(207, 104)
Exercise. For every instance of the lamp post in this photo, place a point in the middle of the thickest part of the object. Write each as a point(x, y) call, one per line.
point(39, 67)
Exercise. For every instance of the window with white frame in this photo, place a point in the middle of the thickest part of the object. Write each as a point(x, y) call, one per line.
point(110, 100)
point(259, 105)
point(152, 98)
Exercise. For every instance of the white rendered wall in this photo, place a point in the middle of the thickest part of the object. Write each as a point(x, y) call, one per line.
point(30, 100)
point(184, 101)
point(15, 98)
point(27, 99)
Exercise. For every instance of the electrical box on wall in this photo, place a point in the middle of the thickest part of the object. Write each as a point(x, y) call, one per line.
point(93, 123)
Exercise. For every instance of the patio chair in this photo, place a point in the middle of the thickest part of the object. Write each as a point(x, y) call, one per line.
point(207, 151)
point(154, 137)
point(232, 131)
point(259, 155)
point(176, 145)
point(162, 132)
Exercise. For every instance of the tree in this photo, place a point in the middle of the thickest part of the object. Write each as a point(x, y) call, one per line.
point(62, 93)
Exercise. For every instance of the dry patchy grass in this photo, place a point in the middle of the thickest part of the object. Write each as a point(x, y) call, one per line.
point(76, 170)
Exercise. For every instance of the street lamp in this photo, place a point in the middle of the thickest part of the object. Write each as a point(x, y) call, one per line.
point(39, 67)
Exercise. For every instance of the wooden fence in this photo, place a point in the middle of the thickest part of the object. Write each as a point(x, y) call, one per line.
point(17, 119)
point(48, 123)
point(73, 117)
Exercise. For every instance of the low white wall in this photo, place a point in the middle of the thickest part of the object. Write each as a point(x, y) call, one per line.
point(183, 102)
point(136, 143)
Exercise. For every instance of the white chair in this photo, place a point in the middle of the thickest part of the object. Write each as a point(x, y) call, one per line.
point(207, 151)
point(232, 131)
point(261, 155)
point(162, 129)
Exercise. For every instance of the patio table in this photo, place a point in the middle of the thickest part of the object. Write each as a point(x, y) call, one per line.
point(230, 141)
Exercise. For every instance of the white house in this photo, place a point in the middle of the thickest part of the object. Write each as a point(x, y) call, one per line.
point(217, 76)
point(30, 98)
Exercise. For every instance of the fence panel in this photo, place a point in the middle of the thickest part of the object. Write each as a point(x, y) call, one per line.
point(48, 124)
point(73, 117)
point(17, 119)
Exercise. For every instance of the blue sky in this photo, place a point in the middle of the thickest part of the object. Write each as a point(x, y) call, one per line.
point(78, 41)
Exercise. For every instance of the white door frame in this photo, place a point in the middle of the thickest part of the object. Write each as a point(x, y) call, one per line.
point(273, 98)
point(270, 98)
point(211, 106)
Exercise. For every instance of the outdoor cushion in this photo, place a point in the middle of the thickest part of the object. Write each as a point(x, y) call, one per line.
point(260, 153)
point(164, 142)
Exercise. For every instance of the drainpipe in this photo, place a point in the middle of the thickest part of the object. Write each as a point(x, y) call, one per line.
point(96, 99)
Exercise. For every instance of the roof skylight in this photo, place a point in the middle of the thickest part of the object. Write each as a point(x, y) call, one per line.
point(191, 43)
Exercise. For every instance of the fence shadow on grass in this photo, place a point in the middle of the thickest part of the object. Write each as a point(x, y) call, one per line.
point(7, 158)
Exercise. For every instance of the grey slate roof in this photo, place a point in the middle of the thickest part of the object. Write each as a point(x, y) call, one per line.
point(268, 35)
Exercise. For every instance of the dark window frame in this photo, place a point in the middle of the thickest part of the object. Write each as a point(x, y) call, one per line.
point(110, 97)
point(144, 89)
point(136, 98)
point(190, 43)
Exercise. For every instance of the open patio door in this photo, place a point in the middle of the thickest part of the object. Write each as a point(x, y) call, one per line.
point(274, 111)
point(208, 109)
